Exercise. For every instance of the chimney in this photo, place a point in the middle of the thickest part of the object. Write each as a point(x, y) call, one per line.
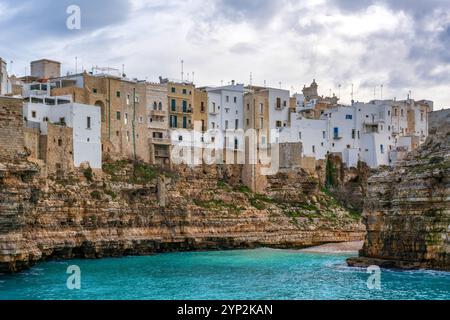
point(233, 82)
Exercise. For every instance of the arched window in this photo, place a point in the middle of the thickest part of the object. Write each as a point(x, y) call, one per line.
point(102, 109)
point(160, 106)
point(155, 106)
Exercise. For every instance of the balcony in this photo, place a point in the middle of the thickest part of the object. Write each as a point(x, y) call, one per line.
point(158, 113)
point(158, 125)
point(160, 141)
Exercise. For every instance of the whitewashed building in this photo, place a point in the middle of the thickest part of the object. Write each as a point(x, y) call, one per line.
point(225, 114)
point(378, 133)
point(39, 110)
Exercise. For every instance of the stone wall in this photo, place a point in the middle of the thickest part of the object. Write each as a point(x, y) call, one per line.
point(11, 129)
point(56, 149)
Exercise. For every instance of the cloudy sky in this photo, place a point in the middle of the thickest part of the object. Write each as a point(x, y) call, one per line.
point(400, 44)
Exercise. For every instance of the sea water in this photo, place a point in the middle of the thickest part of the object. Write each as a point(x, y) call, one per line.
point(261, 274)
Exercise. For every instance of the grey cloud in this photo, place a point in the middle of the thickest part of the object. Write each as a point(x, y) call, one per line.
point(47, 18)
point(257, 11)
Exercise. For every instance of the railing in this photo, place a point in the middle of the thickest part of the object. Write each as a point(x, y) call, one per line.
point(164, 141)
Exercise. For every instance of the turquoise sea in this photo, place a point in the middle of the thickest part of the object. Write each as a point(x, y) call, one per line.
point(249, 274)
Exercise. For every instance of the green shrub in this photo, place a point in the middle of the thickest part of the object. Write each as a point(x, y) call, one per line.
point(96, 195)
point(88, 174)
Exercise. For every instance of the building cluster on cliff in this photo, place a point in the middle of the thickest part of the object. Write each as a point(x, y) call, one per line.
point(91, 117)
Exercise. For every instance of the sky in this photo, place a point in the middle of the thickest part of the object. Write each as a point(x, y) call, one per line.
point(402, 45)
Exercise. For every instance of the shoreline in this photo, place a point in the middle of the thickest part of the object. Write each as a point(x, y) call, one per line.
point(352, 247)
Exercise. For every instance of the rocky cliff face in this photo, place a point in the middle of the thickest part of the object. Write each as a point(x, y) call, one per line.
point(137, 210)
point(407, 210)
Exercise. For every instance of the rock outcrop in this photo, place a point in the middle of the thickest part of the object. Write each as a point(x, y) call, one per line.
point(135, 209)
point(407, 210)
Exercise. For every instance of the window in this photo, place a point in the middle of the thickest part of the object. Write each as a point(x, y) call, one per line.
point(278, 103)
point(62, 121)
point(336, 133)
point(314, 149)
point(128, 136)
point(382, 149)
point(389, 113)
point(118, 115)
point(324, 134)
point(202, 106)
point(348, 117)
point(126, 118)
point(227, 98)
point(45, 119)
point(261, 108)
point(421, 116)
point(261, 123)
point(88, 122)
point(237, 124)
point(226, 124)
point(185, 106)
point(279, 124)
point(359, 135)
point(235, 99)
point(353, 134)
point(180, 138)
point(300, 135)
point(173, 90)
point(128, 99)
point(118, 94)
point(184, 91)
point(155, 106)
point(236, 144)
point(33, 114)
point(248, 122)
point(160, 106)
point(263, 141)
point(141, 119)
point(213, 125)
point(184, 123)
point(284, 103)
point(94, 90)
point(59, 143)
point(174, 105)
point(395, 112)
point(402, 112)
point(248, 106)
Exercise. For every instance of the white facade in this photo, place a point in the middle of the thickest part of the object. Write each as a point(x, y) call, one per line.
point(85, 120)
point(313, 134)
point(225, 113)
point(374, 133)
point(5, 87)
point(278, 113)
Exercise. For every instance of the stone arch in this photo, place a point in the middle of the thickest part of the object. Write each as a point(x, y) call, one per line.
point(101, 104)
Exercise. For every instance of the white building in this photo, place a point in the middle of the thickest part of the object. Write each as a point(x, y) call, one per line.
point(85, 120)
point(376, 133)
point(5, 86)
point(225, 113)
point(278, 112)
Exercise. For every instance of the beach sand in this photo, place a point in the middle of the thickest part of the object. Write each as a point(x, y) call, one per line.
point(343, 247)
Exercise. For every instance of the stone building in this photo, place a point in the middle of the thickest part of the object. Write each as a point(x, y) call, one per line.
point(200, 111)
point(123, 108)
point(158, 124)
point(11, 129)
point(45, 69)
point(180, 96)
point(69, 134)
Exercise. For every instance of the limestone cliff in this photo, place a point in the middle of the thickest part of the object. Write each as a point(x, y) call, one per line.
point(407, 210)
point(136, 209)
